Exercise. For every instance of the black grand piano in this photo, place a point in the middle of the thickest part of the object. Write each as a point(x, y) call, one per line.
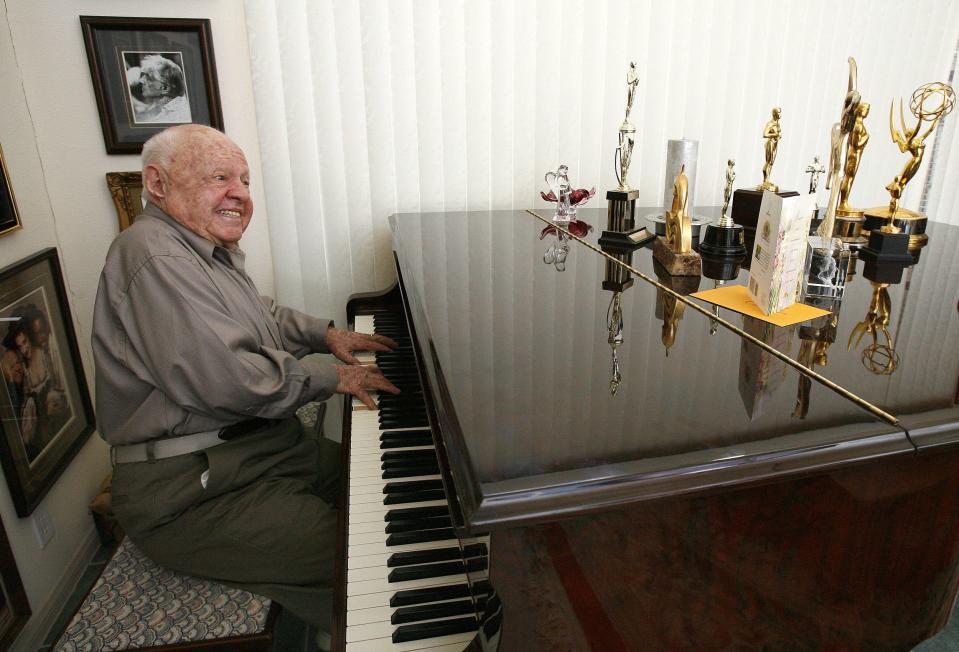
point(722, 498)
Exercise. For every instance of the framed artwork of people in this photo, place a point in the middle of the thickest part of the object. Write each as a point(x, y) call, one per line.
point(45, 410)
point(149, 74)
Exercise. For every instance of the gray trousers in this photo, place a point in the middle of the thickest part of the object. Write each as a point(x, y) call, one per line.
point(264, 523)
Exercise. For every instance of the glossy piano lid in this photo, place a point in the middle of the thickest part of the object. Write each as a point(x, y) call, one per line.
point(518, 357)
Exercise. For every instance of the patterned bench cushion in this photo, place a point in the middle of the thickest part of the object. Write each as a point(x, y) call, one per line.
point(136, 603)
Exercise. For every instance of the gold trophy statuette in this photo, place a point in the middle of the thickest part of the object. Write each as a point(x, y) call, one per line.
point(772, 132)
point(675, 251)
point(855, 144)
point(930, 103)
point(622, 200)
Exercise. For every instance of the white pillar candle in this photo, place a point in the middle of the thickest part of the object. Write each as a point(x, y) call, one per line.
point(679, 153)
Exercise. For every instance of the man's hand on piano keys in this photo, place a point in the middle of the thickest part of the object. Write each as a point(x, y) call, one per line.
point(357, 380)
point(342, 343)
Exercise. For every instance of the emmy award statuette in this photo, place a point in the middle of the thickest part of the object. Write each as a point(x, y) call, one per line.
point(894, 230)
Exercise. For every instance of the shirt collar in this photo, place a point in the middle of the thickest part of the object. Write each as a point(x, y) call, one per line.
point(209, 251)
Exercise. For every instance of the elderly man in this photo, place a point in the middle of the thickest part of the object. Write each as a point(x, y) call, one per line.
point(198, 379)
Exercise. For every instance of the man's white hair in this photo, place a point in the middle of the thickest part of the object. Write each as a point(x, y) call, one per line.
point(161, 148)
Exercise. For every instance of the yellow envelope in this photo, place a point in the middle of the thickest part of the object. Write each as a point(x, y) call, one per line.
point(736, 297)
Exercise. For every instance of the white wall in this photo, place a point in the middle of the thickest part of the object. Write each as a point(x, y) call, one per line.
point(53, 146)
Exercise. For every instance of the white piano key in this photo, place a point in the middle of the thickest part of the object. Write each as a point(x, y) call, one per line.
point(370, 615)
point(382, 584)
point(370, 545)
point(365, 527)
point(366, 561)
point(363, 324)
point(451, 643)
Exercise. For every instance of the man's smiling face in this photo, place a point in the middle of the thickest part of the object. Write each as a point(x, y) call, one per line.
point(206, 188)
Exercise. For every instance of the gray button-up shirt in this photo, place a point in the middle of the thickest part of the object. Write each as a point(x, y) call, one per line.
point(183, 342)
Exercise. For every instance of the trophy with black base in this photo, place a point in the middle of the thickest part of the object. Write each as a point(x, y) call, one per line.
point(894, 230)
point(621, 228)
point(746, 202)
point(724, 239)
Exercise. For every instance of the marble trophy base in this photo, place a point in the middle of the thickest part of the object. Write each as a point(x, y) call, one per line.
point(677, 264)
point(907, 221)
point(746, 203)
point(723, 241)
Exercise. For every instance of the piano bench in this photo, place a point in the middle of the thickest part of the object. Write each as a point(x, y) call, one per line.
point(136, 604)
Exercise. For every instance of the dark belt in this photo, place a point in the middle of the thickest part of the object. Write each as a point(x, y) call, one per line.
point(158, 449)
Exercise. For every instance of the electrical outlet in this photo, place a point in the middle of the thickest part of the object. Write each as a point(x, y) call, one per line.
point(43, 526)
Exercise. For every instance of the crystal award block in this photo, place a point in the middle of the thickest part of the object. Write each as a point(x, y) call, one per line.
point(827, 262)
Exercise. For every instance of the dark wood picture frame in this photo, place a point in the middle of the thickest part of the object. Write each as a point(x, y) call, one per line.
point(45, 411)
point(126, 190)
point(150, 74)
point(14, 605)
point(9, 215)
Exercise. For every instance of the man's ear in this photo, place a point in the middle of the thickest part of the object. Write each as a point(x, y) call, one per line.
point(155, 182)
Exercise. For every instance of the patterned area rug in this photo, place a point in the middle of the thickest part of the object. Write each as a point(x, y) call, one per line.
point(136, 604)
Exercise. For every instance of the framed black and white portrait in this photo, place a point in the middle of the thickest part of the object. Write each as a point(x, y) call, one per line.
point(45, 411)
point(149, 74)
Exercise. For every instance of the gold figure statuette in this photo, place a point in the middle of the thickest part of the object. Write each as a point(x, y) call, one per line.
point(929, 103)
point(725, 221)
point(772, 132)
point(679, 226)
point(855, 144)
point(627, 132)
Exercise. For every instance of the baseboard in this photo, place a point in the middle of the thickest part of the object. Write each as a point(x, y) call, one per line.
point(35, 632)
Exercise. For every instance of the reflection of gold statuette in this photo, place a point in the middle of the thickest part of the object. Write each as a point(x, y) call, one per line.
point(880, 357)
point(772, 132)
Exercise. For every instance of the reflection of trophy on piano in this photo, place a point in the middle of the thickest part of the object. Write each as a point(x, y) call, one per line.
point(614, 329)
point(880, 356)
point(816, 337)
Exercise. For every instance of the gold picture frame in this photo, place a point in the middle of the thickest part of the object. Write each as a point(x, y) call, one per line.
point(126, 189)
point(9, 215)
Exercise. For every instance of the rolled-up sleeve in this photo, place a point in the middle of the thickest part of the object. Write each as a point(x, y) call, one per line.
point(301, 334)
point(203, 358)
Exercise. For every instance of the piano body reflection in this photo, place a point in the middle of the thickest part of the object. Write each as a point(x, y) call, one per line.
point(507, 500)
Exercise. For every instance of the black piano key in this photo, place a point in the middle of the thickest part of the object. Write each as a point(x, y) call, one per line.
point(418, 524)
point(409, 471)
point(432, 611)
point(415, 416)
point(423, 556)
point(416, 512)
point(399, 434)
point(412, 485)
point(425, 571)
point(477, 564)
point(414, 497)
point(404, 443)
point(423, 536)
point(401, 465)
point(403, 423)
point(410, 597)
point(475, 550)
point(392, 456)
point(420, 631)
point(483, 587)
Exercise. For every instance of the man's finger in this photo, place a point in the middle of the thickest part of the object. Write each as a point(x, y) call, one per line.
point(348, 358)
point(388, 341)
point(381, 383)
point(366, 398)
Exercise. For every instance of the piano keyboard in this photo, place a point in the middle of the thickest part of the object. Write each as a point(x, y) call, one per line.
point(411, 583)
